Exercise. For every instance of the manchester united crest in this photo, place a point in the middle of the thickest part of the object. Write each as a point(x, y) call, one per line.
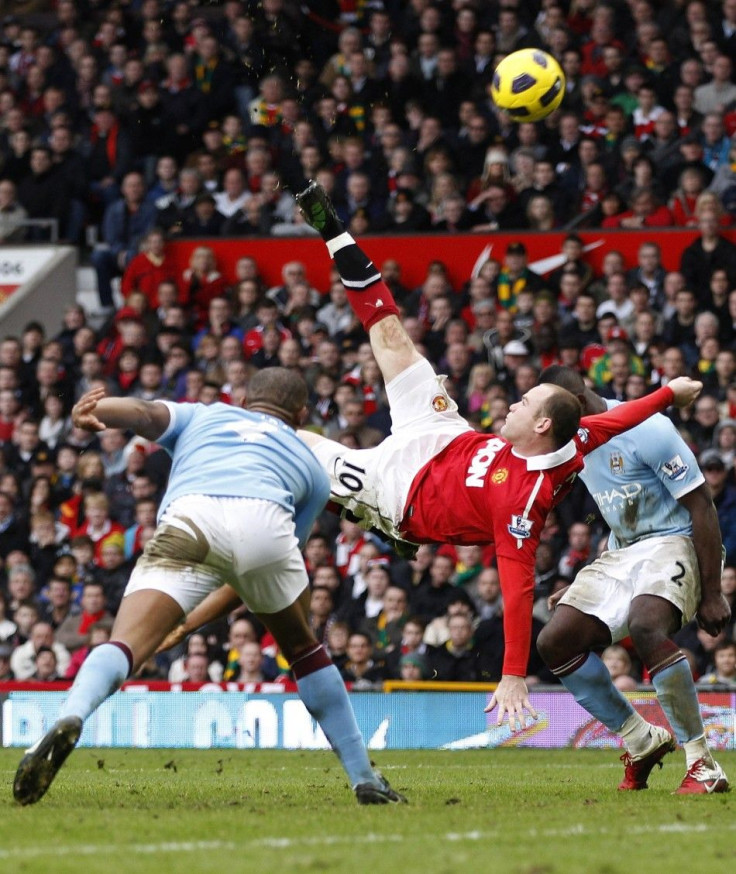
point(499, 476)
point(439, 403)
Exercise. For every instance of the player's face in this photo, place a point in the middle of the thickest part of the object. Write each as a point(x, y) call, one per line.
point(524, 415)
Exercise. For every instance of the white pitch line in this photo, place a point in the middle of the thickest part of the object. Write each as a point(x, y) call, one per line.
point(287, 843)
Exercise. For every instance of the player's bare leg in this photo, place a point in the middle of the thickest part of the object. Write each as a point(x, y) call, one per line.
point(143, 621)
point(567, 645)
point(651, 622)
point(369, 296)
point(323, 692)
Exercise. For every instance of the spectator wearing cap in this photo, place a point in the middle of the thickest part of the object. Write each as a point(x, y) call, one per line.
point(203, 219)
point(724, 498)
point(515, 276)
point(616, 341)
point(413, 667)
point(724, 440)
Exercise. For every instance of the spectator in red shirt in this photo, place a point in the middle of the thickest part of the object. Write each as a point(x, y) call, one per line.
point(267, 313)
point(645, 212)
point(201, 282)
point(149, 268)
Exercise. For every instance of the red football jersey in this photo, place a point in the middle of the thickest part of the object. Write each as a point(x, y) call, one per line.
point(478, 491)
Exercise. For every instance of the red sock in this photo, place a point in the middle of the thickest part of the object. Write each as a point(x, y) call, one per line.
point(373, 303)
point(368, 294)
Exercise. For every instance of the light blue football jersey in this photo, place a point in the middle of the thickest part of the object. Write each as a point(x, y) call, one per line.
point(225, 451)
point(637, 478)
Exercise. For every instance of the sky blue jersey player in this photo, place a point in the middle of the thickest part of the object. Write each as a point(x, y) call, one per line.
point(243, 493)
point(638, 479)
point(265, 460)
point(663, 568)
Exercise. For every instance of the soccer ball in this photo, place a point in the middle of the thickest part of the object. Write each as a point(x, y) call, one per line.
point(528, 84)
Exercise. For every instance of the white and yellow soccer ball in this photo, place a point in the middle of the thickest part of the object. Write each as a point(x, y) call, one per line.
point(528, 84)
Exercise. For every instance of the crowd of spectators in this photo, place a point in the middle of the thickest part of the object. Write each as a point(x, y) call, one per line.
point(152, 123)
point(227, 111)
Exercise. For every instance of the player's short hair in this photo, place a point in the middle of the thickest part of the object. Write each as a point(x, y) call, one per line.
point(278, 387)
point(563, 408)
point(564, 377)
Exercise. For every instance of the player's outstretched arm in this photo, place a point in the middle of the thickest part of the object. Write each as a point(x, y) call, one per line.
point(95, 412)
point(601, 427)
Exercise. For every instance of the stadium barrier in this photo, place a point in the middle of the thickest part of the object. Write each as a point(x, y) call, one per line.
point(460, 253)
point(266, 719)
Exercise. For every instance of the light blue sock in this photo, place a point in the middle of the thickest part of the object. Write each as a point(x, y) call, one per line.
point(593, 689)
point(678, 698)
point(101, 675)
point(325, 697)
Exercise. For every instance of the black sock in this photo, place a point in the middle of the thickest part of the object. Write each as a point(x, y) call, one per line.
point(355, 267)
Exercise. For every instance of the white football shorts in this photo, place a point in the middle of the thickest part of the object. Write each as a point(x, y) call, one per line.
point(663, 566)
point(203, 542)
point(374, 483)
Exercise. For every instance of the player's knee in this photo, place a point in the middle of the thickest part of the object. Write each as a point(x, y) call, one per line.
point(551, 645)
point(646, 633)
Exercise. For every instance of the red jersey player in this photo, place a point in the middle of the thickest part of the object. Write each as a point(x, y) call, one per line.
point(434, 479)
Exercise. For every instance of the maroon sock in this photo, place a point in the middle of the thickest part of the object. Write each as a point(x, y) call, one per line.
point(311, 660)
point(125, 649)
point(666, 654)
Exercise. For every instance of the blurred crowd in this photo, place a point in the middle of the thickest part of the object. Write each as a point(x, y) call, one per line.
point(226, 111)
point(145, 121)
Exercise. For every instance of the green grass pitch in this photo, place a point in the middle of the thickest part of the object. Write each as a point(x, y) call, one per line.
point(509, 811)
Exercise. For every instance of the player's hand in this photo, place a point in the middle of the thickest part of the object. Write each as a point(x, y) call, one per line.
point(83, 415)
point(554, 599)
point(173, 638)
point(713, 613)
point(512, 697)
point(686, 390)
